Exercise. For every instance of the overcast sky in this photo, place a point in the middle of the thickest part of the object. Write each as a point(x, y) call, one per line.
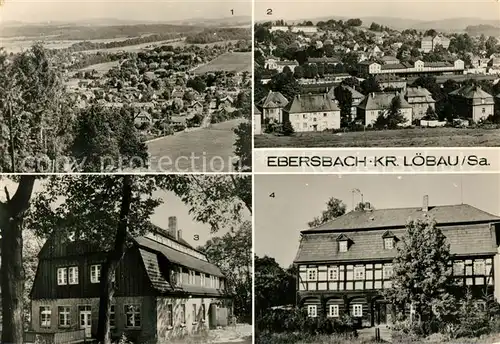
point(149, 10)
point(299, 198)
point(425, 10)
point(172, 206)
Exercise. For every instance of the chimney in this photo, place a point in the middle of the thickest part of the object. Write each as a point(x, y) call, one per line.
point(172, 226)
point(179, 235)
point(425, 204)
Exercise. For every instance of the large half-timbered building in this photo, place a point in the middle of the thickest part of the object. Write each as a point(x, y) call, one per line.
point(164, 288)
point(344, 264)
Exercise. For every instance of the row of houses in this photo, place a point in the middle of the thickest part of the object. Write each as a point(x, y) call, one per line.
point(318, 112)
point(164, 289)
point(345, 264)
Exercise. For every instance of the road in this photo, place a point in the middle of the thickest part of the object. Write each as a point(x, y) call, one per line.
point(201, 150)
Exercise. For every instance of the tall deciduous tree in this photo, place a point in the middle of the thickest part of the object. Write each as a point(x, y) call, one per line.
point(421, 272)
point(35, 113)
point(233, 254)
point(344, 98)
point(243, 147)
point(12, 216)
point(334, 208)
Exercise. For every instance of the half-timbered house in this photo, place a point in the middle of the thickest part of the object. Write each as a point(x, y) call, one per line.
point(345, 264)
point(164, 288)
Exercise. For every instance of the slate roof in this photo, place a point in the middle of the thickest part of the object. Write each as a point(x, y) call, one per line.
point(418, 92)
point(256, 110)
point(323, 60)
point(355, 94)
point(312, 103)
point(397, 217)
point(393, 66)
point(471, 92)
point(178, 257)
point(369, 245)
point(274, 100)
point(381, 100)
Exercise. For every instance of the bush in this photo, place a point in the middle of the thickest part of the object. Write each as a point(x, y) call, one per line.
point(288, 128)
point(281, 321)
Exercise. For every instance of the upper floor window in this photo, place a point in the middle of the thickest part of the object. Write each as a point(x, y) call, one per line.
point(192, 277)
point(388, 271)
point(73, 274)
point(343, 246)
point(62, 276)
point(333, 273)
point(479, 267)
point(95, 273)
point(359, 272)
point(458, 268)
point(202, 279)
point(388, 243)
point(45, 315)
point(133, 315)
point(312, 274)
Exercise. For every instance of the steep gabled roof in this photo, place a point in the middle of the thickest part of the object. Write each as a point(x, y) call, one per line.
point(355, 94)
point(312, 103)
point(274, 100)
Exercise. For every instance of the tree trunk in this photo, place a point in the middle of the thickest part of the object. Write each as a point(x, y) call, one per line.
point(11, 269)
point(107, 286)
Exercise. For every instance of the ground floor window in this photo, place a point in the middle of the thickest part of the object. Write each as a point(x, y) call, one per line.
point(357, 310)
point(45, 315)
point(333, 311)
point(203, 312)
point(112, 317)
point(312, 311)
point(170, 315)
point(183, 313)
point(64, 316)
point(133, 315)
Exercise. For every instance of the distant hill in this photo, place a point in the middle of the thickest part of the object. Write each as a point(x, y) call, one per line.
point(487, 30)
point(445, 25)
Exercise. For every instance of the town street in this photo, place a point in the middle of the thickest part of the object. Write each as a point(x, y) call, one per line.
point(212, 147)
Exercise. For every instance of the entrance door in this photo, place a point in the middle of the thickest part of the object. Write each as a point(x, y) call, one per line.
point(380, 313)
point(86, 319)
point(212, 316)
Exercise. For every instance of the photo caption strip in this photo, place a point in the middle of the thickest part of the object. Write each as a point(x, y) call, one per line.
point(377, 160)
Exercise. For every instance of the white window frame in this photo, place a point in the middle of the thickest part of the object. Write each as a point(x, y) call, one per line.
point(45, 312)
point(133, 310)
point(333, 311)
point(359, 273)
point(333, 273)
point(482, 265)
point(95, 277)
point(66, 315)
point(459, 264)
point(192, 277)
point(388, 243)
point(385, 271)
point(312, 274)
point(73, 275)
point(357, 310)
point(62, 276)
point(312, 311)
point(202, 279)
point(343, 247)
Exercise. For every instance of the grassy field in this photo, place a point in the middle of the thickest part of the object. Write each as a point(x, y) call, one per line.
point(199, 150)
point(229, 62)
point(416, 137)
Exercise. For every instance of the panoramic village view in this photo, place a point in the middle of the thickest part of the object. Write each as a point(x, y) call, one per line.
point(159, 94)
point(342, 80)
point(377, 259)
point(126, 259)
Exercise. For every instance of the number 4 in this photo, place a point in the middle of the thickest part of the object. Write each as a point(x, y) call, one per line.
point(272, 195)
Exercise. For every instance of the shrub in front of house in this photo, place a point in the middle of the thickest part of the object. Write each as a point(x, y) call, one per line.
point(296, 320)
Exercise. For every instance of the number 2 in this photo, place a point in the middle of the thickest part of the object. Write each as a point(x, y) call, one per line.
point(269, 11)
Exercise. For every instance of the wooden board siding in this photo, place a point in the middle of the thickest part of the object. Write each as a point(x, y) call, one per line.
point(131, 278)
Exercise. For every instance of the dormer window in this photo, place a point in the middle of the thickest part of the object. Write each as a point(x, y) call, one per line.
point(343, 242)
point(388, 243)
point(343, 246)
point(389, 240)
